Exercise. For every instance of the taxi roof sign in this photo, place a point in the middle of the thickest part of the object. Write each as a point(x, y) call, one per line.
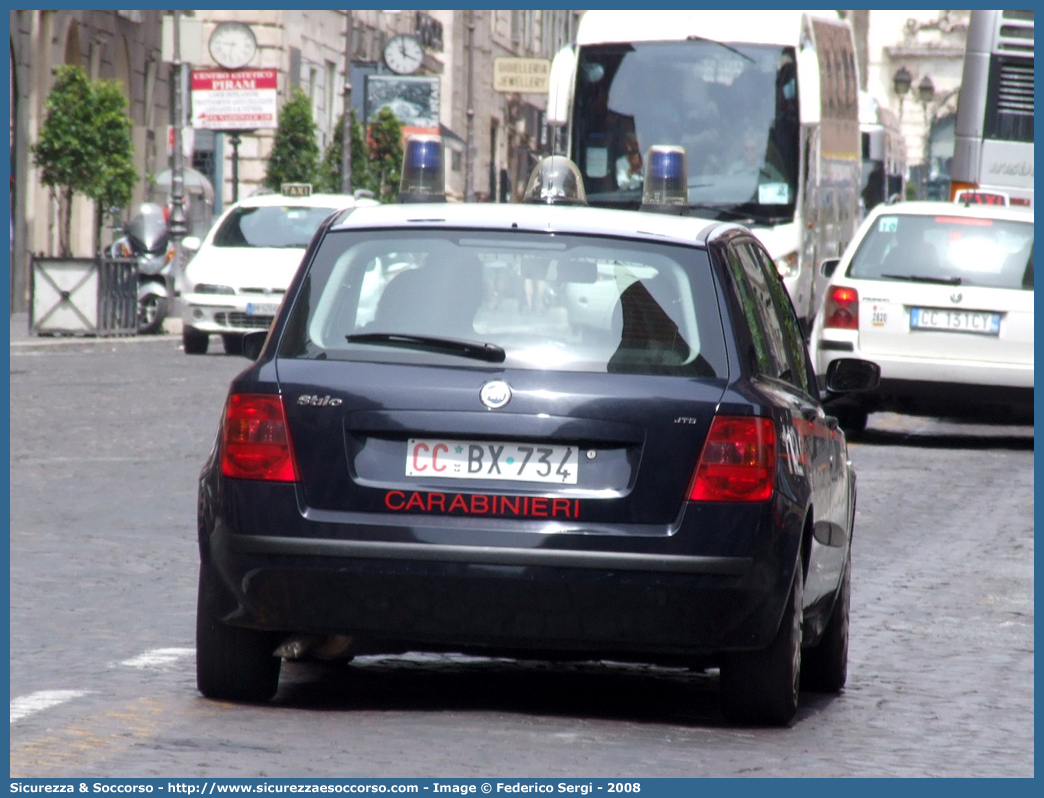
point(296, 189)
point(977, 197)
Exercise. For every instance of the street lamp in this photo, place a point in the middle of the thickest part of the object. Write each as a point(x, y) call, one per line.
point(346, 151)
point(901, 82)
point(926, 90)
point(926, 93)
point(178, 223)
point(469, 161)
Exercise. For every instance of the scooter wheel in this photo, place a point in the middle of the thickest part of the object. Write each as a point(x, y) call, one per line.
point(152, 310)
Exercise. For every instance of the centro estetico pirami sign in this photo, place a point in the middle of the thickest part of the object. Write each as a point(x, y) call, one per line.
point(240, 100)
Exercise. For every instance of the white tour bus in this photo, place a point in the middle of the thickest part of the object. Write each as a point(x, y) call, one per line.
point(765, 104)
point(993, 151)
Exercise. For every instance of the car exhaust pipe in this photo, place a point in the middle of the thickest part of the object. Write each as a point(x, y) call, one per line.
point(325, 647)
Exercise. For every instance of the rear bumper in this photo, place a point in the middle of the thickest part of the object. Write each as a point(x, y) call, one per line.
point(424, 603)
point(414, 595)
point(929, 370)
point(939, 387)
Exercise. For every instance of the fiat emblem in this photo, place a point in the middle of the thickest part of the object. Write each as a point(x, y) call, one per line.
point(495, 394)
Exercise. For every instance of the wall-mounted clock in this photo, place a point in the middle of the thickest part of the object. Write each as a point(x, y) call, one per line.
point(232, 45)
point(403, 54)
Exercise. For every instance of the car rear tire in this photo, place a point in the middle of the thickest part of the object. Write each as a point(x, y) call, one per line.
point(232, 663)
point(193, 341)
point(761, 687)
point(824, 668)
point(233, 344)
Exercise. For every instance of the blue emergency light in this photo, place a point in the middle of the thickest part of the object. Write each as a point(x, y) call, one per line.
point(555, 180)
point(423, 170)
point(665, 187)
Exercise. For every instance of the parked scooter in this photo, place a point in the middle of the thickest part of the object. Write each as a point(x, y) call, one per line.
point(146, 238)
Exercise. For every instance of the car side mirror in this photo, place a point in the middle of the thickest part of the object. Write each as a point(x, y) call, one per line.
point(829, 266)
point(253, 343)
point(849, 374)
point(191, 243)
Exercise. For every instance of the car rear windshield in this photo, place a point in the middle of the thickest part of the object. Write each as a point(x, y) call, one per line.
point(957, 250)
point(270, 226)
point(524, 300)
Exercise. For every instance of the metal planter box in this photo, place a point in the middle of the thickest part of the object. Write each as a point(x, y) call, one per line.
point(84, 296)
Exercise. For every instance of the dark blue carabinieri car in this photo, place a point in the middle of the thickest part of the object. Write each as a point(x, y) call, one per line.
point(532, 430)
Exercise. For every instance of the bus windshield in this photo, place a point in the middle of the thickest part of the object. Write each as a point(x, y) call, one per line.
point(733, 107)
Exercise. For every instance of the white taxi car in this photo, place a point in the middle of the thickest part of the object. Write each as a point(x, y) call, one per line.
point(940, 296)
point(237, 278)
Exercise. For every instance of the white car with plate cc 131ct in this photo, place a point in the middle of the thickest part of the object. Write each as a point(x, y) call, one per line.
point(940, 296)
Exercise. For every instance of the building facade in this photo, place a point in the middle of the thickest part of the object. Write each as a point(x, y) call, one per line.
point(912, 63)
point(120, 45)
point(493, 137)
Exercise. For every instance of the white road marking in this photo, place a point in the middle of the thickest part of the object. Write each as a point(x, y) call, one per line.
point(158, 658)
point(44, 699)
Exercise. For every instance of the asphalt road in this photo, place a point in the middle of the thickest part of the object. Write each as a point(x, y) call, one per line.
point(107, 439)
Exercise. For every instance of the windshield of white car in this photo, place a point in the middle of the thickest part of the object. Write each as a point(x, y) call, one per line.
point(950, 250)
point(276, 226)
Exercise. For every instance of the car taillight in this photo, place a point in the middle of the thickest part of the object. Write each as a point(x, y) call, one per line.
point(255, 440)
point(842, 309)
point(738, 462)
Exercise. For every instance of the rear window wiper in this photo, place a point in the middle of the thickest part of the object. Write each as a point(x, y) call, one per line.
point(913, 278)
point(452, 346)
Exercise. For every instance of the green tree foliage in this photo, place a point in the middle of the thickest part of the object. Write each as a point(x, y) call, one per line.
point(376, 157)
point(85, 147)
point(295, 152)
point(334, 157)
point(115, 177)
point(385, 155)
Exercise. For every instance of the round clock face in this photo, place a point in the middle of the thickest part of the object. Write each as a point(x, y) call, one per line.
point(403, 54)
point(232, 44)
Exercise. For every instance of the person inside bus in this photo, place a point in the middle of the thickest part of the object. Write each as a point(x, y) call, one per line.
point(784, 134)
point(629, 165)
point(756, 158)
point(606, 139)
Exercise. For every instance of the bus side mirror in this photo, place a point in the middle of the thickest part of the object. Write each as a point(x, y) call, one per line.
point(560, 86)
